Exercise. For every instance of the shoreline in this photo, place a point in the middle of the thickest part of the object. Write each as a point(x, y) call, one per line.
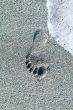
point(63, 39)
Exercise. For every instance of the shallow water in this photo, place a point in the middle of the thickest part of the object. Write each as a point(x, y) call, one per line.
point(60, 22)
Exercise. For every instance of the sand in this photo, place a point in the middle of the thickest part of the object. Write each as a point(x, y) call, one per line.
point(19, 89)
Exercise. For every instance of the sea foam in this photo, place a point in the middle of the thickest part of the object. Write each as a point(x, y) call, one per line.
point(60, 22)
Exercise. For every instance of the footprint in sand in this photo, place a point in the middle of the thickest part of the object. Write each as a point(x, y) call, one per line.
point(36, 59)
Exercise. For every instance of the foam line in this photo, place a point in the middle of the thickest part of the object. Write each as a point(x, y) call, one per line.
point(60, 22)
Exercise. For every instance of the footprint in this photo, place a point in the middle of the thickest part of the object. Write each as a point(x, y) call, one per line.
point(36, 58)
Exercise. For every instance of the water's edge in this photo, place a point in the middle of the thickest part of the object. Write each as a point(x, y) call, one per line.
point(64, 42)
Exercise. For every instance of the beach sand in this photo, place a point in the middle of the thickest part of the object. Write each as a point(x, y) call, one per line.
point(19, 89)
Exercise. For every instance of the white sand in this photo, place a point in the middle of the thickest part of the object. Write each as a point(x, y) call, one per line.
point(60, 22)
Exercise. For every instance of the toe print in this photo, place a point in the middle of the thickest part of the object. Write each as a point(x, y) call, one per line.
point(36, 59)
point(41, 70)
point(29, 65)
point(27, 62)
point(27, 56)
point(31, 69)
point(35, 71)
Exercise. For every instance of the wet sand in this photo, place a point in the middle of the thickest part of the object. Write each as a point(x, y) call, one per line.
point(19, 89)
